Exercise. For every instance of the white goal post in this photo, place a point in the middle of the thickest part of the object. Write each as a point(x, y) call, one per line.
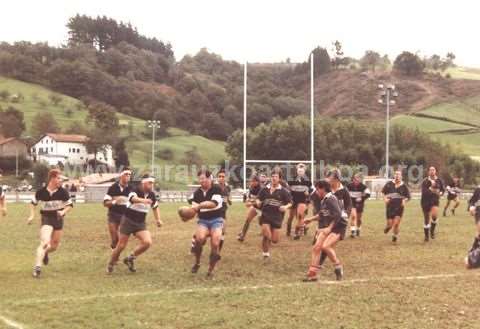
point(311, 161)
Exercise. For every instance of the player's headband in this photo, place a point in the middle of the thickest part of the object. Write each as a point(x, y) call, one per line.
point(148, 180)
point(126, 172)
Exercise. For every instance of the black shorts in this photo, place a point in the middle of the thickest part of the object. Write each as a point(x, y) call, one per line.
point(128, 226)
point(340, 229)
point(451, 197)
point(274, 223)
point(295, 203)
point(359, 207)
point(393, 212)
point(56, 223)
point(477, 217)
point(428, 205)
point(114, 218)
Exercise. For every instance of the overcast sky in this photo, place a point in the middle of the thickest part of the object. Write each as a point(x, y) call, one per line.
point(267, 31)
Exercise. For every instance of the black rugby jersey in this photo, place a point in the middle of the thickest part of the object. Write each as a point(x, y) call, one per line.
point(214, 194)
point(137, 212)
point(432, 189)
point(2, 192)
point(300, 188)
point(51, 201)
point(272, 201)
point(116, 190)
point(453, 190)
point(329, 211)
point(395, 194)
point(475, 200)
point(358, 193)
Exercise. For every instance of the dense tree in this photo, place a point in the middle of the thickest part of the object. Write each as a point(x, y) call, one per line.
point(11, 122)
point(409, 64)
point(43, 123)
point(370, 60)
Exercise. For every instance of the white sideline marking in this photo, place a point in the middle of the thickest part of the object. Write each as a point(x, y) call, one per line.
point(240, 288)
point(11, 323)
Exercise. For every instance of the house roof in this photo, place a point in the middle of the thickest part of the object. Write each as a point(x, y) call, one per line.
point(8, 140)
point(67, 138)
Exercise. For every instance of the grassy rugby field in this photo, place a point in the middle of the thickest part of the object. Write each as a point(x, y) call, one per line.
point(408, 285)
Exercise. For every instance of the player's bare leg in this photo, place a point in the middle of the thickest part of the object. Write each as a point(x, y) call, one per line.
point(215, 239)
point(300, 212)
point(328, 248)
point(251, 214)
point(201, 235)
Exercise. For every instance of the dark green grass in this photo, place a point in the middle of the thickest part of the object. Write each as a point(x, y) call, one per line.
point(75, 292)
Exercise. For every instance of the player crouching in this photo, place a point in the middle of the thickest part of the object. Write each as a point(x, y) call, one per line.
point(134, 222)
point(331, 229)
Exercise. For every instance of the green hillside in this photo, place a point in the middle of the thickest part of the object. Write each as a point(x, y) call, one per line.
point(36, 99)
point(456, 123)
point(463, 73)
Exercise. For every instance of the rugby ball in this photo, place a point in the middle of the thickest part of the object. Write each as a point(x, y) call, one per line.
point(186, 213)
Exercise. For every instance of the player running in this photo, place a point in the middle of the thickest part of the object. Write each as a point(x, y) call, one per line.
point(343, 196)
point(359, 193)
point(432, 190)
point(227, 201)
point(453, 196)
point(208, 203)
point(55, 204)
point(133, 222)
point(116, 201)
point(473, 258)
point(3, 202)
point(396, 195)
point(273, 200)
point(331, 229)
point(249, 199)
point(300, 188)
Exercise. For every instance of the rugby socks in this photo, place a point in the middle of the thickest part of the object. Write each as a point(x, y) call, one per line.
point(433, 225)
point(192, 247)
point(222, 241)
point(354, 231)
point(339, 272)
point(37, 270)
point(323, 257)
point(426, 231)
point(266, 254)
point(245, 229)
point(394, 237)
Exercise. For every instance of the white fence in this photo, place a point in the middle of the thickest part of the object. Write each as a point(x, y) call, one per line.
point(170, 196)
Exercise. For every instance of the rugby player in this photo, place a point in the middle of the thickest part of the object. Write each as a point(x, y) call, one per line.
point(300, 188)
point(432, 190)
point(332, 227)
point(273, 200)
point(453, 196)
point(55, 204)
point(473, 258)
point(133, 222)
point(3, 202)
point(344, 199)
point(359, 193)
point(396, 195)
point(227, 201)
point(208, 203)
point(116, 201)
point(249, 199)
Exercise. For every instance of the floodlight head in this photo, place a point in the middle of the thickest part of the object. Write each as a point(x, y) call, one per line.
point(395, 94)
point(383, 93)
point(391, 87)
point(392, 102)
point(380, 101)
point(380, 86)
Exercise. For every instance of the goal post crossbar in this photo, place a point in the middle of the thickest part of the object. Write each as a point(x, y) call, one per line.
point(312, 119)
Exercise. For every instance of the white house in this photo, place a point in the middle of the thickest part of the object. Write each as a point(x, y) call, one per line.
point(71, 149)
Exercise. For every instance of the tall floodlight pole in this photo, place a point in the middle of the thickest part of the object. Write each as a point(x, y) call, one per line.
point(154, 124)
point(312, 119)
point(387, 93)
point(245, 127)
